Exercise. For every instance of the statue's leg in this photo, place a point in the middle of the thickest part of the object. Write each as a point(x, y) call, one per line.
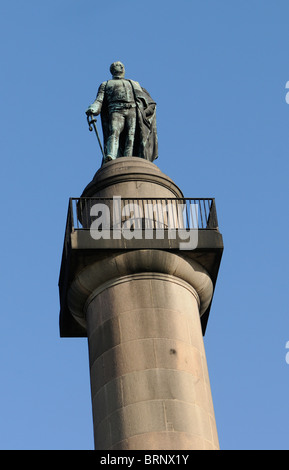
point(116, 126)
point(130, 125)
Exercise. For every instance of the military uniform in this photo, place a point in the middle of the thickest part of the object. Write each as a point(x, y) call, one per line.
point(128, 119)
point(122, 114)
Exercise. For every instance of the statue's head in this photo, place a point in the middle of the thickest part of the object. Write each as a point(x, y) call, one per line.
point(117, 69)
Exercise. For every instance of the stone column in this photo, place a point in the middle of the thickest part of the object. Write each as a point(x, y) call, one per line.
point(149, 379)
point(140, 306)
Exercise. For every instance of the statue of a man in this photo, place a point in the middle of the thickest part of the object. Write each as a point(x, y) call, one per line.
point(128, 116)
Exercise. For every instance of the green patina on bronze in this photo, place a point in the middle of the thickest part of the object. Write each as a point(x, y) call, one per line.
point(128, 116)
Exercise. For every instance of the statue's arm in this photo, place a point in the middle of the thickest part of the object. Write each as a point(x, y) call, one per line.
point(95, 107)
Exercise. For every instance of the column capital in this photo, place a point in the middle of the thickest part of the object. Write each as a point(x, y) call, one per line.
point(100, 274)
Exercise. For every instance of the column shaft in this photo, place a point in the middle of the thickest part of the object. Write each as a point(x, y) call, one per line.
point(149, 378)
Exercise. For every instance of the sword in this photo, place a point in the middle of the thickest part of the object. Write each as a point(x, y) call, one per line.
point(91, 120)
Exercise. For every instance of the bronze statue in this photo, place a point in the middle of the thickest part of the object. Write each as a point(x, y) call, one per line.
point(128, 116)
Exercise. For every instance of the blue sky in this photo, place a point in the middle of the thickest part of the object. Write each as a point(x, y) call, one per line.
point(217, 70)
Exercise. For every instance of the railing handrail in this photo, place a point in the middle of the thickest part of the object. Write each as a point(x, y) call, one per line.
point(145, 198)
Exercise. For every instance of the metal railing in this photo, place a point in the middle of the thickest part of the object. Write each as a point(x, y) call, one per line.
point(166, 213)
point(142, 213)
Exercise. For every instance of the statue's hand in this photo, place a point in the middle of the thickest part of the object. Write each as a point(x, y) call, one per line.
point(149, 111)
point(94, 108)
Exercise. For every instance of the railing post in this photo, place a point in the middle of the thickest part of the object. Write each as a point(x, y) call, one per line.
point(213, 220)
point(71, 214)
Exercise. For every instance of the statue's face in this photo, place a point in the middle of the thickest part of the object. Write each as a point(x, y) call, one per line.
point(117, 69)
